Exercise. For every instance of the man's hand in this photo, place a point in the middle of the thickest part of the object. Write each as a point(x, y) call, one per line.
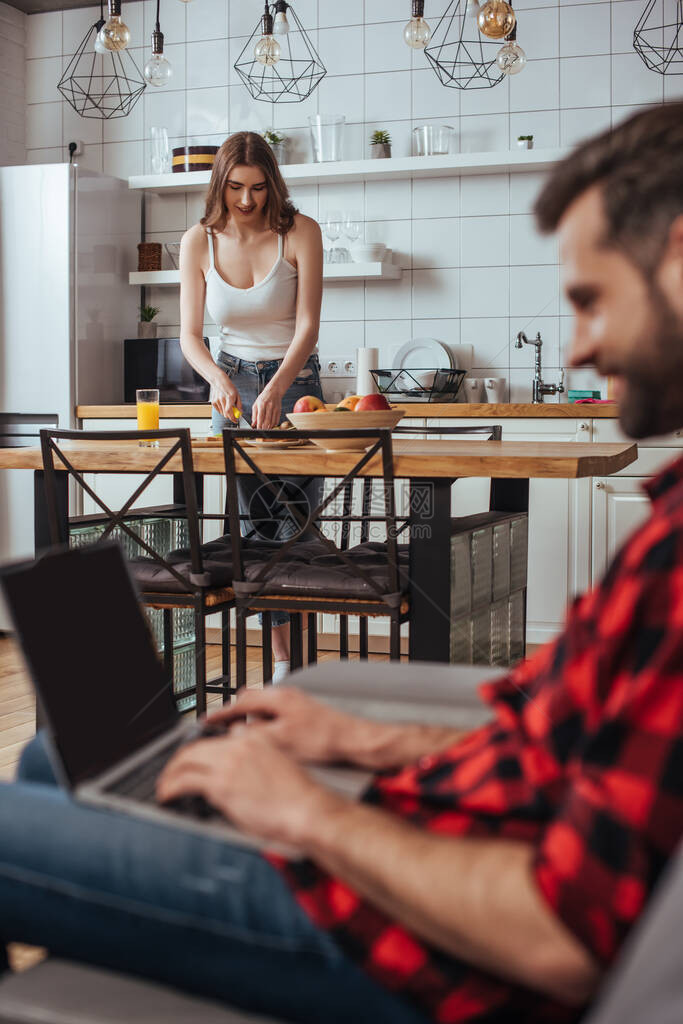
point(310, 730)
point(252, 782)
point(301, 726)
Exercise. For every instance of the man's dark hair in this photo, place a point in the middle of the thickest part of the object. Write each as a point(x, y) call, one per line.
point(639, 168)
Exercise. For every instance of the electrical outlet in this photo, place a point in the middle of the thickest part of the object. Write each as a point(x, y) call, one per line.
point(338, 366)
point(75, 148)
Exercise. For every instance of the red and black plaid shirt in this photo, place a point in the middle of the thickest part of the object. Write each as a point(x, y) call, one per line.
point(583, 759)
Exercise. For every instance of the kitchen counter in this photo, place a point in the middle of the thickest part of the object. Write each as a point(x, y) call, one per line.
point(414, 410)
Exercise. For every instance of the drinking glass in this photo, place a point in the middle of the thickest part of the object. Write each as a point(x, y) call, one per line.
point(352, 228)
point(147, 402)
point(161, 154)
point(326, 136)
point(332, 227)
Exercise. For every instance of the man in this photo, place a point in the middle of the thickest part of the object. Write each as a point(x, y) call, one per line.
point(485, 877)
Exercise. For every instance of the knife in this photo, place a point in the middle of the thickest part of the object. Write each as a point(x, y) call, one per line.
point(243, 421)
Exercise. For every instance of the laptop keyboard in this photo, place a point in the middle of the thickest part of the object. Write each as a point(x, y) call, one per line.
point(140, 785)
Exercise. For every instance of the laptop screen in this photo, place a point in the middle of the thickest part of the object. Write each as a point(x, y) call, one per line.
point(90, 654)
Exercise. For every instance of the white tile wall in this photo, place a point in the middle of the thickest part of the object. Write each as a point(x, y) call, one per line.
point(468, 246)
point(15, 41)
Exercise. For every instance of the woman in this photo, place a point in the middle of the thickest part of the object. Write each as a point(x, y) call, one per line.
point(257, 265)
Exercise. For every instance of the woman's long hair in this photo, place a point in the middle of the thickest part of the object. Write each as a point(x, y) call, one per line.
point(250, 149)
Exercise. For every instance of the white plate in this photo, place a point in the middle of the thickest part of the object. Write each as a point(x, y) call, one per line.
point(424, 354)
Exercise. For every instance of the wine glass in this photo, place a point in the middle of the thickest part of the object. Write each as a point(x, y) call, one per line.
point(161, 154)
point(332, 227)
point(352, 229)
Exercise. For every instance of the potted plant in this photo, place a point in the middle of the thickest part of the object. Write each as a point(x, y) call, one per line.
point(380, 144)
point(147, 329)
point(278, 144)
point(525, 141)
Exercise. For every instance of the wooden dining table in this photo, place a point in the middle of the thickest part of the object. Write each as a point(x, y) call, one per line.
point(431, 466)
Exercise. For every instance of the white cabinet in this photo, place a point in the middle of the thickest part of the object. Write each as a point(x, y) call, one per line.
point(619, 506)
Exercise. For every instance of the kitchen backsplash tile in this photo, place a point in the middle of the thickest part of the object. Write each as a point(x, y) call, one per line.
point(585, 29)
point(436, 243)
point(484, 242)
point(436, 197)
point(385, 299)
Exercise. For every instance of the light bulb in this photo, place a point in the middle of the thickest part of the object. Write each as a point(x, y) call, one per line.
point(496, 19)
point(473, 9)
point(280, 25)
point(114, 35)
point(157, 70)
point(99, 46)
point(267, 51)
point(511, 58)
point(417, 33)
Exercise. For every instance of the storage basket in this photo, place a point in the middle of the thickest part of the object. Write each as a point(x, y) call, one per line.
point(149, 255)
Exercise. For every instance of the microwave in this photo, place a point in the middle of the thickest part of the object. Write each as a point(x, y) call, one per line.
point(160, 363)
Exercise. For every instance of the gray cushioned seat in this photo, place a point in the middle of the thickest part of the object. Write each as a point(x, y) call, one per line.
point(311, 566)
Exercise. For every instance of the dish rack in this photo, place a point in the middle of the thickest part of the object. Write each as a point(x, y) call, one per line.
point(423, 385)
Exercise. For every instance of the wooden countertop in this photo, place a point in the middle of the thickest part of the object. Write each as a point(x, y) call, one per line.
point(419, 410)
point(429, 458)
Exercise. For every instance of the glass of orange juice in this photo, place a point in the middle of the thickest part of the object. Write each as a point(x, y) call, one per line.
point(147, 401)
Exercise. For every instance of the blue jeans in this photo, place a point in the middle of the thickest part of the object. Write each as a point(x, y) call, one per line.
point(250, 379)
point(189, 911)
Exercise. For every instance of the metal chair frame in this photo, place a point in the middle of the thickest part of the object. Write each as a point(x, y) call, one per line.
point(259, 595)
point(198, 594)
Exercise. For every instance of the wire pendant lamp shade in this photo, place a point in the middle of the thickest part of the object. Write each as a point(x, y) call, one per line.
point(101, 85)
point(461, 57)
point(296, 73)
point(658, 36)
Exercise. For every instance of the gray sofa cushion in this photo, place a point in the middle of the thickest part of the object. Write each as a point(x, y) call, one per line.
point(60, 992)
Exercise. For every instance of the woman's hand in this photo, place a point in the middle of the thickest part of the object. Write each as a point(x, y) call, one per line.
point(267, 409)
point(224, 395)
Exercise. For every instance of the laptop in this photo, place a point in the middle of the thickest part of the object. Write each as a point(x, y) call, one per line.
point(111, 719)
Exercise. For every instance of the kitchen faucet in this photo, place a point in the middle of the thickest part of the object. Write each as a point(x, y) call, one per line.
point(539, 388)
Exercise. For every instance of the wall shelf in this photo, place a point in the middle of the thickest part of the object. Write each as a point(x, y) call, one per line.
point(372, 170)
point(331, 272)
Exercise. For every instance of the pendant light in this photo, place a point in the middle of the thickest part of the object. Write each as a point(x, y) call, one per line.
point(157, 70)
point(282, 70)
point(496, 19)
point(658, 36)
point(99, 82)
point(114, 35)
point(417, 32)
point(460, 56)
point(511, 58)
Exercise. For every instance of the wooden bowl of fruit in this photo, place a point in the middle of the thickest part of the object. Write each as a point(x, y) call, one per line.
point(353, 413)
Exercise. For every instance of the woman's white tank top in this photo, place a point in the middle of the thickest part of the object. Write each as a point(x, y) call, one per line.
point(258, 322)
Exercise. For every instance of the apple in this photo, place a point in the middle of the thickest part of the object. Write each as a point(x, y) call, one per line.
point(309, 403)
point(341, 408)
point(350, 402)
point(372, 403)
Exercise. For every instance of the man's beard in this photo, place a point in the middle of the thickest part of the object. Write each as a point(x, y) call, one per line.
point(653, 398)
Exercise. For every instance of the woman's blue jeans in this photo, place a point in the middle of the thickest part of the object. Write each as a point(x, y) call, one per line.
point(192, 912)
point(250, 379)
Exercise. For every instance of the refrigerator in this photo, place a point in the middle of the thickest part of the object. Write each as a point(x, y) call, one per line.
point(68, 239)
